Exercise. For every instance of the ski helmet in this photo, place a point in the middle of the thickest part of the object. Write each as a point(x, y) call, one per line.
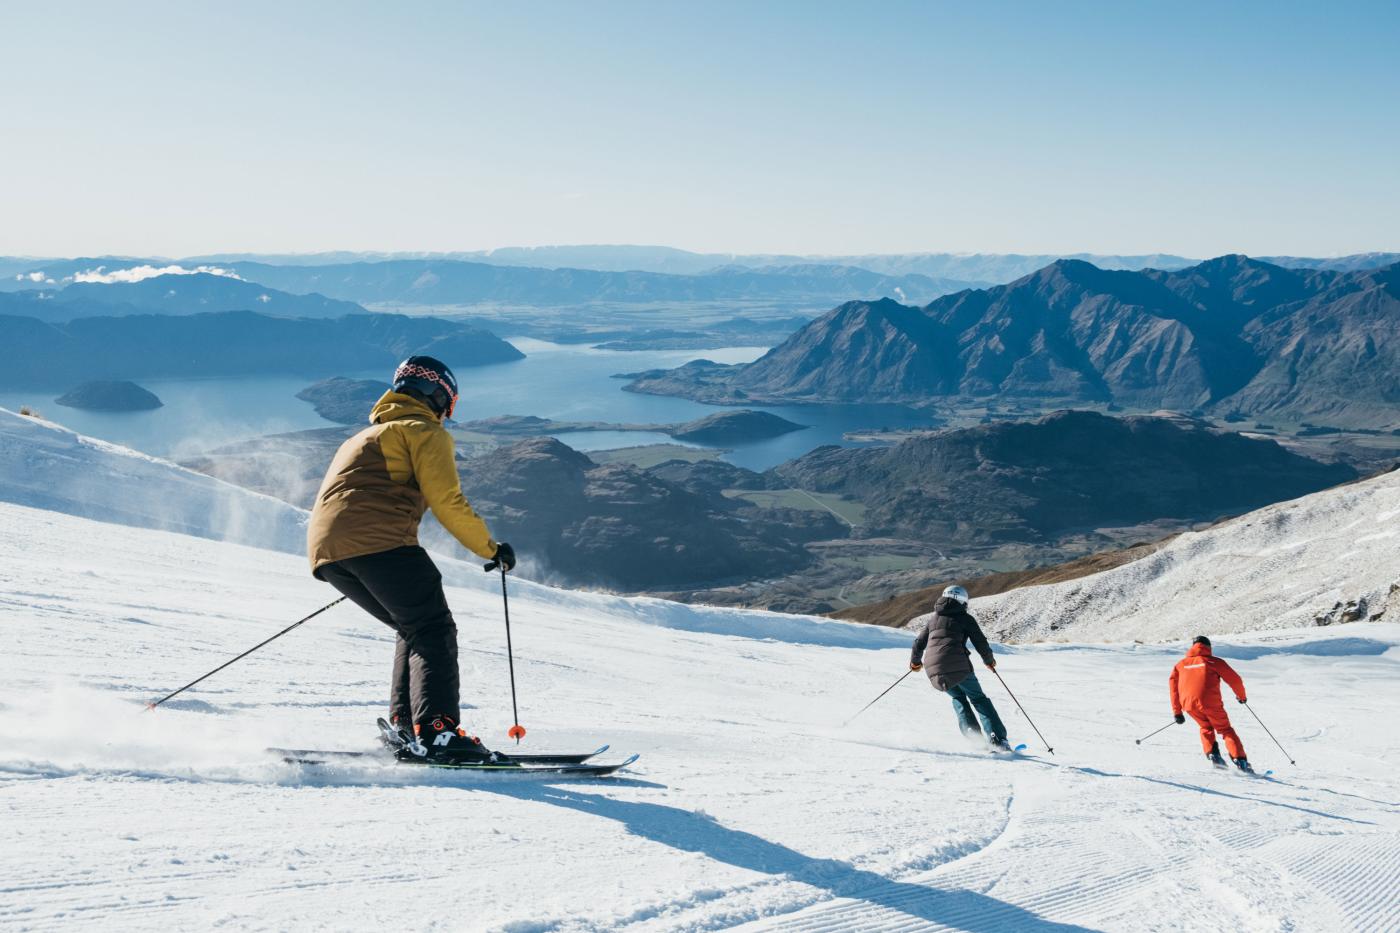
point(1201, 640)
point(957, 593)
point(432, 379)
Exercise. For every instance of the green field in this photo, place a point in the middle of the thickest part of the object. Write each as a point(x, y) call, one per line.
point(852, 513)
point(650, 455)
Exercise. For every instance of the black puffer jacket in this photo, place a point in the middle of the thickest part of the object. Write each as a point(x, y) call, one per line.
point(941, 645)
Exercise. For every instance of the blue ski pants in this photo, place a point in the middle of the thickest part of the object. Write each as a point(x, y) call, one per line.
point(967, 696)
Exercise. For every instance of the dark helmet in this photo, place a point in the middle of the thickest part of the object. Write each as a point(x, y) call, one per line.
point(431, 379)
point(1201, 640)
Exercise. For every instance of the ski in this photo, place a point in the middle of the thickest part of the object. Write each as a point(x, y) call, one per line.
point(317, 757)
point(586, 769)
point(533, 759)
point(395, 739)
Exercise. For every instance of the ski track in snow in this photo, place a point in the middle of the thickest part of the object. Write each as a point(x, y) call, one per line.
point(750, 807)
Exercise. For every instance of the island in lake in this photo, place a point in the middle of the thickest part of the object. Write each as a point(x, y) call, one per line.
point(348, 401)
point(728, 427)
point(110, 395)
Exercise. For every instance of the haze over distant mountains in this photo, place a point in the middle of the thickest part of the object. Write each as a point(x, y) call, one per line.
point(1234, 336)
point(35, 354)
point(993, 268)
point(578, 274)
point(169, 294)
point(457, 282)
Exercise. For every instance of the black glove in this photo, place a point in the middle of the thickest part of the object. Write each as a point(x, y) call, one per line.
point(1243, 700)
point(1180, 719)
point(504, 556)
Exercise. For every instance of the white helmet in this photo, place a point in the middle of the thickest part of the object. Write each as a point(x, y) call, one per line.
point(958, 593)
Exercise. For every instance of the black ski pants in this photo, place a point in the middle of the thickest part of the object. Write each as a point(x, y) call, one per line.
point(403, 589)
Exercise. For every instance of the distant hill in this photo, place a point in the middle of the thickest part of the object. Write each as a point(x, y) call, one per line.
point(342, 400)
point(1353, 263)
point(617, 526)
point(438, 282)
point(1232, 335)
point(969, 267)
point(1154, 590)
point(735, 427)
point(110, 395)
point(1318, 560)
point(169, 294)
point(35, 354)
point(1066, 472)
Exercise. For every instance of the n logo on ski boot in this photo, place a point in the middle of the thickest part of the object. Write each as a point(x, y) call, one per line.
point(442, 738)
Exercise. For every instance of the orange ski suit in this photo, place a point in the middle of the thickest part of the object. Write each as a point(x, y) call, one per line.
point(1195, 688)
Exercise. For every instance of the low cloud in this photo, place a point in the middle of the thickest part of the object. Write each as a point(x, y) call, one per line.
point(137, 273)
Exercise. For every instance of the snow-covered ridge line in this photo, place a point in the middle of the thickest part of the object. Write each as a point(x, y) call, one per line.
point(1329, 557)
point(47, 466)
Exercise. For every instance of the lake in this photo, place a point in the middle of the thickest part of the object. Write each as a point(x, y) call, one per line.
point(566, 382)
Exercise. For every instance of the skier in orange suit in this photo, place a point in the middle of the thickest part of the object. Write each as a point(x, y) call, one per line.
point(1195, 688)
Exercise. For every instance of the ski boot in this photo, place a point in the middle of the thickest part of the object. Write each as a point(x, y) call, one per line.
point(1213, 756)
point(999, 746)
point(442, 740)
point(1243, 764)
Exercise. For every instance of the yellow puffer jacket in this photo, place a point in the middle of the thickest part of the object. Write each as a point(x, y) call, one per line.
point(382, 480)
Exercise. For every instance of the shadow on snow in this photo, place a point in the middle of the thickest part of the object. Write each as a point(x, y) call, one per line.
point(687, 831)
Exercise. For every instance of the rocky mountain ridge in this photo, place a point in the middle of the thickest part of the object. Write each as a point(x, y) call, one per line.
point(1233, 336)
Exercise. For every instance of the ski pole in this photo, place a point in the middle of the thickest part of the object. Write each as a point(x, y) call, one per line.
point(877, 699)
point(1271, 735)
point(1023, 712)
point(516, 731)
point(151, 706)
point(1150, 734)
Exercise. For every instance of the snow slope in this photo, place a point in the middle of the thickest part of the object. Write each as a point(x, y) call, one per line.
point(751, 805)
point(1274, 568)
point(50, 467)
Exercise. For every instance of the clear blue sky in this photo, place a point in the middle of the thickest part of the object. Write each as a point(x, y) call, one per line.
point(179, 128)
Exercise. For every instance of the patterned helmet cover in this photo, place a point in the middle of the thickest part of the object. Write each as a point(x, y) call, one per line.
point(428, 375)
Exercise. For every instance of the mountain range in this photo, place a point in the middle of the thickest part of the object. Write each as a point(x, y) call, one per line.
point(454, 281)
point(986, 267)
point(169, 294)
point(1233, 336)
point(36, 354)
point(438, 282)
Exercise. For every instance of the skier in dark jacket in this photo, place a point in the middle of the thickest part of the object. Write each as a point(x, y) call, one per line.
point(940, 651)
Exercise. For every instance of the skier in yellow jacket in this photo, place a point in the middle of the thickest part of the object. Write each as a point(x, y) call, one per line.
point(363, 540)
